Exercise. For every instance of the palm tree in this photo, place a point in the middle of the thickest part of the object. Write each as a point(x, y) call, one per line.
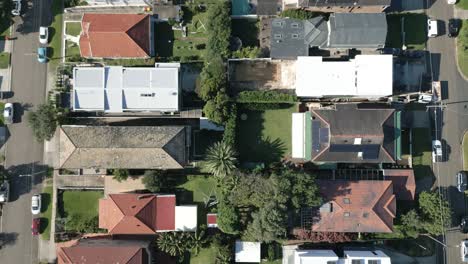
point(220, 159)
point(197, 240)
point(172, 243)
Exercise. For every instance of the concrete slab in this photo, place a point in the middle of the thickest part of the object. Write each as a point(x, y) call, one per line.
point(129, 185)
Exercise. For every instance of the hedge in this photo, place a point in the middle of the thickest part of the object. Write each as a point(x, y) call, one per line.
point(229, 135)
point(265, 97)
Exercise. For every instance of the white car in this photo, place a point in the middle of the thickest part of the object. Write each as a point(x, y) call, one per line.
point(8, 113)
point(432, 28)
point(436, 150)
point(464, 252)
point(16, 10)
point(451, 2)
point(36, 204)
point(44, 35)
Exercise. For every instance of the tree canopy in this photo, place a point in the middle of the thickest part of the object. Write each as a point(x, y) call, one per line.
point(220, 159)
point(154, 180)
point(43, 122)
point(219, 29)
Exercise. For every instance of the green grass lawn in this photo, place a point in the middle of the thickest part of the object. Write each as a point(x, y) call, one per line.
point(463, 4)
point(72, 50)
point(4, 60)
point(81, 203)
point(46, 211)
point(55, 34)
point(415, 29)
point(205, 256)
point(265, 136)
point(462, 44)
point(73, 28)
point(422, 155)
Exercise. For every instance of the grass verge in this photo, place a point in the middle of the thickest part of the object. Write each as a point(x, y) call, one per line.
point(55, 33)
point(463, 4)
point(422, 156)
point(46, 211)
point(4, 60)
point(462, 47)
point(261, 137)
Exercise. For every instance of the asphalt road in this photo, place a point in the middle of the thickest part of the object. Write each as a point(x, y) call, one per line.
point(24, 155)
point(452, 123)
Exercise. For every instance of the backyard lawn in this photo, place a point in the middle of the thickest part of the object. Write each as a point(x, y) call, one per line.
point(414, 27)
point(73, 28)
point(197, 190)
point(4, 60)
point(422, 156)
point(81, 206)
point(462, 44)
point(46, 211)
point(205, 256)
point(264, 136)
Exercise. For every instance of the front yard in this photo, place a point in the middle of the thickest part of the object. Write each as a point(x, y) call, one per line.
point(73, 28)
point(422, 155)
point(55, 35)
point(264, 136)
point(80, 209)
point(414, 27)
point(462, 47)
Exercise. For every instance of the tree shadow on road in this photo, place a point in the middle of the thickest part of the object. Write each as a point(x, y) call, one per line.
point(8, 239)
point(24, 177)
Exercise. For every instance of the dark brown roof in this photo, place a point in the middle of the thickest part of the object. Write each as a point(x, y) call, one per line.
point(356, 206)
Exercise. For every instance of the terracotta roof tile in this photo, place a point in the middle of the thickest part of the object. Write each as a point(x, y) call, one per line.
point(115, 36)
point(356, 206)
point(165, 212)
point(404, 184)
point(102, 254)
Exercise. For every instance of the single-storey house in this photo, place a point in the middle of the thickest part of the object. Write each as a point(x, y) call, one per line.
point(123, 147)
point(145, 214)
point(347, 133)
point(105, 250)
point(291, 38)
point(117, 89)
point(116, 36)
point(328, 256)
point(365, 76)
point(338, 6)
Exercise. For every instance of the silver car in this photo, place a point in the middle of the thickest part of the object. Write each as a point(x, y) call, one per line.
point(8, 113)
point(463, 249)
point(461, 181)
point(16, 11)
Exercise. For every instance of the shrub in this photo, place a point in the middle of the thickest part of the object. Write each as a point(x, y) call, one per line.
point(217, 109)
point(154, 180)
point(229, 135)
point(201, 46)
point(247, 52)
point(120, 175)
point(265, 97)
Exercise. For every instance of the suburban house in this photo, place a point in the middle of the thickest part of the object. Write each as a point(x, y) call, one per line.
point(327, 256)
point(339, 6)
point(354, 206)
point(365, 76)
point(117, 89)
point(125, 147)
point(291, 38)
point(145, 214)
point(116, 36)
point(105, 250)
point(347, 133)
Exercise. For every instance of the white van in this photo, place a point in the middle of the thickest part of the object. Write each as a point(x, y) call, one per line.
point(432, 28)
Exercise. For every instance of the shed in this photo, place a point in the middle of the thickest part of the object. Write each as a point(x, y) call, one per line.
point(247, 252)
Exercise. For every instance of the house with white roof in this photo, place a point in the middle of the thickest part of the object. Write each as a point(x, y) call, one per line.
point(365, 76)
point(117, 89)
point(247, 252)
point(330, 257)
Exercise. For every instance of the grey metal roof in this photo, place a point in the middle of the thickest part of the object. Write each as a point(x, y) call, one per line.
point(291, 38)
point(357, 30)
point(110, 147)
point(307, 3)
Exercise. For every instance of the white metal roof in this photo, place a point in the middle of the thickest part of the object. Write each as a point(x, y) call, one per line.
point(116, 89)
point(186, 218)
point(369, 76)
point(298, 135)
point(248, 252)
point(314, 256)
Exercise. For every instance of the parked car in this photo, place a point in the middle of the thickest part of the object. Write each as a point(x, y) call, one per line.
point(44, 35)
point(451, 2)
point(461, 181)
point(36, 204)
point(463, 249)
point(42, 54)
point(453, 27)
point(432, 28)
point(464, 225)
point(36, 223)
point(8, 113)
point(392, 51)
point(436, 150)
point(16, 10)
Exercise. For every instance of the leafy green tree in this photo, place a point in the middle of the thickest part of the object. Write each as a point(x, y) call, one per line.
point(198, 240)
point(154, 180)
point(411, 224)
point(43, 122)
point(221, 159)
point(268, 224)
point(298, 14)
point(248, 52)
point(223, 255)
point(219, 29)
point(174, 243)
point(212, 79)
point(120, 174)
point(217, 109)
point(435, 212)
point(228, 218)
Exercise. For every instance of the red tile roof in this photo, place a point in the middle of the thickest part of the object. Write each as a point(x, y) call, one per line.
point(404, 184)
point(115, 36)
point(356, 206)
point(137, 213)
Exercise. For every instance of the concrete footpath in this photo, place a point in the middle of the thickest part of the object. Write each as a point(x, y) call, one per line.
point(460, 13)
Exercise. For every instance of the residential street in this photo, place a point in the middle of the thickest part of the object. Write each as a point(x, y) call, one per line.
point(24, 155)
point(454, 122)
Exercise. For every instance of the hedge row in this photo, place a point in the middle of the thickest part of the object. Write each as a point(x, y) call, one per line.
point(265, 97)
point(229, 135)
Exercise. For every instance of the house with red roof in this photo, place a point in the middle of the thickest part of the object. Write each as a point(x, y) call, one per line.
point(116, 36)
point(355, 206)
point(99, 250)
point(145, 214)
